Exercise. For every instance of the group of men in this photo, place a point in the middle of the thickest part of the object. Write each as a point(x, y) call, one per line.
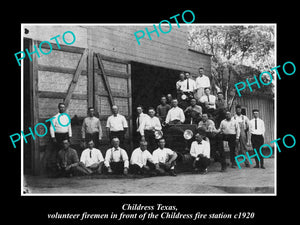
point(214, 121)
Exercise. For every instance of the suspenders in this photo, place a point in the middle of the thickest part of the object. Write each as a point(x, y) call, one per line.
point(111, 155)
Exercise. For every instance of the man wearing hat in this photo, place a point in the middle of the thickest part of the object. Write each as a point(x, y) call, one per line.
point(257, 131)
point(200, 151)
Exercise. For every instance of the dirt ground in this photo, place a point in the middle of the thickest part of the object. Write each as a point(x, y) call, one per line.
point(233, 181)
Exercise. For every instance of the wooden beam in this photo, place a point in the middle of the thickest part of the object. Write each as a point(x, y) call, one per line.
point(90, 78)
point(57, 69)
point(105, 80)
point(65, 48)
point(75, 79)
point(34, 110)
point(52, 94)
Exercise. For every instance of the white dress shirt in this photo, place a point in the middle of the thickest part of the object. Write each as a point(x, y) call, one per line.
point(90, 156)
point(242, 119)
point(116, 155)
point(212, 101)
point(203, 148)
point(116, 123)
point(230, 127)
point(162, 155)
point(183, 85)
point(63, 119)
point(91, 125)
point(139, 120)
point(202, 82)
point(260, 127)
point(140, 157)
point(150, 124)
point(175, 113)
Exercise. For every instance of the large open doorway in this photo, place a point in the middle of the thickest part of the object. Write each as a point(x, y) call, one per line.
point(149, 83)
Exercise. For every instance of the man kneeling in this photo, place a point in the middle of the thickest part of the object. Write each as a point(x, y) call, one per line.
point(92, 159)
point(141, 161)
point(200, 151)
point(116, 159)
point(68, 163)
point(164, 159)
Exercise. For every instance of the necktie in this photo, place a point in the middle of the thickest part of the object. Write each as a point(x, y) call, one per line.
point(138, 122)
point(91, 154)
point(208, 98)
point(188, 84)
point(255, 124)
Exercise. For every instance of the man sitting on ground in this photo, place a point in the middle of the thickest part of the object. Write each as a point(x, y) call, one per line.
point(164, 159)
point(141, 161)
point(200, 151)
point(92, 158)
point(116, 159)
point(68, 163)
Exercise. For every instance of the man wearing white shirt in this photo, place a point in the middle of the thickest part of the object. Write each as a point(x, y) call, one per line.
point(116, 158)
point(200, 151)
point(149, 125)
point(257, 130)
point(175, 114)
point(164, 159)
point(202, 82)
point(208, 100)
point(116, 125)
point(92, 158)
point(139, 120)
point(180, 84)
point(141, 161)
point(60, 128)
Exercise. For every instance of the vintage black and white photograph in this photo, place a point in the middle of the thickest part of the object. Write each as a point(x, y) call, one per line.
point(148, 109)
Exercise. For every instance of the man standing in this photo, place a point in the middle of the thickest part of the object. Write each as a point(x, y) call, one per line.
point(141, 161)
point(92, 158)
point(243, 122)
point(139, 120)
point(193, 112)
point(149, 125)
point(231, 133)
point(68, 163)
point(208, 100)
point(200, 151)
point(221, 107)
point(91, 128)
point(180, 85)
point(116, 158)
point(257, 130)
point(60, 128)
point(164, 159)
point(175, 114)
point(162, 109)
point(202, 82)
point(116, 125)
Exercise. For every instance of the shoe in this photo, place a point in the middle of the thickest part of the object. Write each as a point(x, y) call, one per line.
point(256, 166)
point(262, 167)
point(205, 171)
point(173, 173)
point(247, 165)
point(233, 166)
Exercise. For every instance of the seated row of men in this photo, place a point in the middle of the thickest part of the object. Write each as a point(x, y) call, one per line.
point(116, 161)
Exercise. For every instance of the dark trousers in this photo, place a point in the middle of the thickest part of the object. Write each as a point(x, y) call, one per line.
point(163, 168)
point(117, 167)
point(150, 138)
point(217, 143)
point(231, 139)
point(136, 169)
point(257, 141)
point(202, 163)
point(94, 137)
point(119, 134)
